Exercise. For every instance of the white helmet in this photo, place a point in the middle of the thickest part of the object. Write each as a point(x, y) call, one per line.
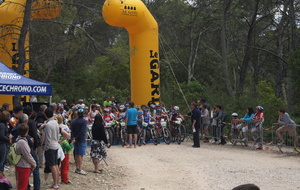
point(234, 114)
point(176, 108)
point(122, 107)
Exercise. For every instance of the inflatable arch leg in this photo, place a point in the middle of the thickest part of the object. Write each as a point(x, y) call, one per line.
point(11, 20)
point(142, 28)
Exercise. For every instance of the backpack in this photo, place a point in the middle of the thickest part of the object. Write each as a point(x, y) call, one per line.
point(13, 157)
point(224, 115)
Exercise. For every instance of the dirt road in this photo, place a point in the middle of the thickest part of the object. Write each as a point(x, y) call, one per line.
point(172, 167)
point(209, 167)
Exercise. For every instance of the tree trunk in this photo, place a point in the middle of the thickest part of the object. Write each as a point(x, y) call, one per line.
point(248, 49)
point(290, 84)
point(21, 44)
point(230, 91)
point(282, 67)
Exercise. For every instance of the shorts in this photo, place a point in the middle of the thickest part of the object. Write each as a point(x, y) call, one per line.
point(132, 129)
point(290, 128)
point(80, 148)
point(245, 129)
point(51, 157)
point(47, 169)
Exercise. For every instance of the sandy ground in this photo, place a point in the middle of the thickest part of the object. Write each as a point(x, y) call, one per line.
point(183, 167)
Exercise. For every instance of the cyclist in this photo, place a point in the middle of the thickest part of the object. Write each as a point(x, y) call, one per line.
point(173, 117)
point(152, 110)
point(107, 102)
point(158, 117)
point(107, 117)
point(287, 125)
point(139, 121)
point(248, 118)
point(121, 117)
point(258, 120)
point(93, 112)
point(121, 111)
point(80, 104)
point(146, 118)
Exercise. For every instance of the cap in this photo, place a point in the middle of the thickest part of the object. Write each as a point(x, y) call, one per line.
point(80, 110)
point(234, 114)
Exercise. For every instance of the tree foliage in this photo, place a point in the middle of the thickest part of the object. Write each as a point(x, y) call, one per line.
point(235, 53)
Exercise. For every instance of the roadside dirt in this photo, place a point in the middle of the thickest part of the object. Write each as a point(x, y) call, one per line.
point(175, 166)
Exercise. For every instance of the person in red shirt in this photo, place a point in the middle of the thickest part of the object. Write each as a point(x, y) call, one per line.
point(257, 131)
point(107, 117)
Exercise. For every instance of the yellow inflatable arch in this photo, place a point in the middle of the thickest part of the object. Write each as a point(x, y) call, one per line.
point(11, 21)
point(142, 28)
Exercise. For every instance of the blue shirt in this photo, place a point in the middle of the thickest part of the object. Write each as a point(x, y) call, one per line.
point(248, 117)
point(131, 114)
point(147, 117)
point(79, 130)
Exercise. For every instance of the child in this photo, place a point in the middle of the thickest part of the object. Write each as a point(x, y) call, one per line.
point(26, 163)
point(64, 168)
point(158, 117)
point(107, 117)
point(140, 121)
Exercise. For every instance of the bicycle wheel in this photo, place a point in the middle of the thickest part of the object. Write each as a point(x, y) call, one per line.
point(89, 137)
point(111, 136)
point(230, 136)
point(183, 133)
point(178, 135)
point(297, 144)
point(140, 138)
point(166, 135)
point(108, 139)
point(123, 136)
point(154, 136)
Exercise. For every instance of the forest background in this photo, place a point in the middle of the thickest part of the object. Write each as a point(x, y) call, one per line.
point(235, 53)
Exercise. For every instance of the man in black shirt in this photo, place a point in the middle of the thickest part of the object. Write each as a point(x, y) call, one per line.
point(195, 117)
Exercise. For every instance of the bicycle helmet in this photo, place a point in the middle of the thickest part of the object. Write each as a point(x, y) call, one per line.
point(106, 110)
point(152, 106)
point(158, 111)
point(122, 107)
point(260, 108)
point(63, 101)
point(140, 112)
point(234, 114)
point(80, 100)
point(176, 108)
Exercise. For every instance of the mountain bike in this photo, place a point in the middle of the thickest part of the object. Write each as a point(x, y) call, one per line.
point(176, 132)
point(109, 131)
point(89, 136)
point(153, 132)
point(236, 134)
point(166, 135)
point(144, 134)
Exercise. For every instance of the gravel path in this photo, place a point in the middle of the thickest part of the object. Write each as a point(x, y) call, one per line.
point(172, 167)
point(209, 167)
